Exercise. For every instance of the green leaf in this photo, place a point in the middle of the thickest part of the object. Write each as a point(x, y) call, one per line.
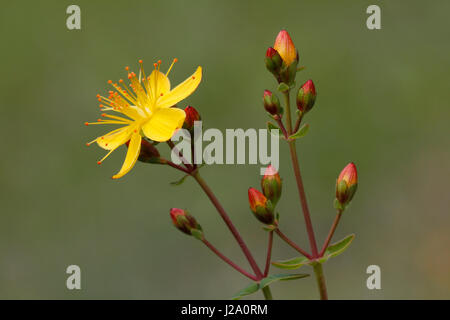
point(332, 251)
point(179, 182)
point(293, 263)
point(300, 132)
point(281, 277)
point(252, 288)
point(271, 126)
point(337, 248)
point(283, 87)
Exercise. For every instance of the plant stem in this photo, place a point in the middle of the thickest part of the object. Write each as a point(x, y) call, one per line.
point(293, 244)
point(331, 233)
point(269, 254)
point(267, 293)
point(320, 277)
point(229, 223)
point(180, 155)
point(173, 165)
point(227, 260)
point(282, 128)
point(288, 112)
point(301, 189)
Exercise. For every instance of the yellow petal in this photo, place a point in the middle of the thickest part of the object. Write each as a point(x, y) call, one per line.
point(159, 84)
point(163, 123)
point(181, 91)
point(134, 149)
point(115, 138)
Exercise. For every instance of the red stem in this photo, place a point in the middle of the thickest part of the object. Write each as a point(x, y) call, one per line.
point(293, 244)
point(231, 263)
point(301, 192)
point(331, 233)
point(283, 129)
point(229, 223)
point(173, 165)
point(269, 254)
point(180, 155)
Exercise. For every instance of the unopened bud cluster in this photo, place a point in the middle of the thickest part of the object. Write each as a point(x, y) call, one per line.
point(282, 59)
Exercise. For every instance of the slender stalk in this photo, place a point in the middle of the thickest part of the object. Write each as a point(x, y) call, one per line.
point(331, 233)
point(293, 244)
point(303, 202)
point(180, 155)
point(282, 128)
point(173, 165)
point(301, 191)
point(229, 223)
point(269, 254)
point(297, 123)
point(320, 277)
point(288, 112)
point(267, 293)
point(227, 260)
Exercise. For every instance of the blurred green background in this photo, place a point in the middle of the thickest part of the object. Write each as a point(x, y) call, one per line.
point(382, 103)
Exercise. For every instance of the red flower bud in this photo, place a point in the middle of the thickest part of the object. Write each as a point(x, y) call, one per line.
point(273, 61)
point(148, 152)
point(346, 184)
point(192, 115)
point(183, 221)
point(306, 96)
point(271, 103)
point(271, 185)
point(285, 47)
point(260, 206)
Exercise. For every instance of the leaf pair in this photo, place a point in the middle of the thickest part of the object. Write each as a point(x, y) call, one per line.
point(332, 251)
point(253, 287)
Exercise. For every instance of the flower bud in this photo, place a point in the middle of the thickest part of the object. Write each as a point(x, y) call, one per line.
point(346, 184)
point(271, 185)
point(260, 206)
point(306, 96)
point(184, 222)
point(148, 152)
point(192, 115)
point(273, 61)
point(285, 47)
point(271, 103)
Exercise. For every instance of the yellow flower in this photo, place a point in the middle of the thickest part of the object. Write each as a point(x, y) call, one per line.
point(149, 110)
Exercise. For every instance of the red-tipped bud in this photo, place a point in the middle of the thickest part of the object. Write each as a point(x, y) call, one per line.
point(285, 47)
point(306, 96)
point(346, 184)
point(271, 103)
point(271, 185)
point(260, 206)
point(273, 61)
point(184, 222)
point(148, 152)
point(192, 115)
